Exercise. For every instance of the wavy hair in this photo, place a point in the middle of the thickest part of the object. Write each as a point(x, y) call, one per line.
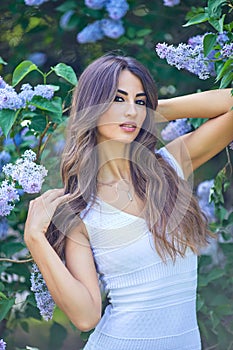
point(171, 210)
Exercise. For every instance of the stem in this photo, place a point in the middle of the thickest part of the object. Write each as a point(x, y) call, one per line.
point(47, 140)
point(16, 261)
point(41, 139)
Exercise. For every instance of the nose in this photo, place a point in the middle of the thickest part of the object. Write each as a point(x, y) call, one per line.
point(131, 109)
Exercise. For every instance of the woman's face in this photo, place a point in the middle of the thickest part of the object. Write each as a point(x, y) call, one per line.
point(125, 116)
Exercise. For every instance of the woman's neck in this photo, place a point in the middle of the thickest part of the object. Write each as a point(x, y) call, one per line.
point(113, 159)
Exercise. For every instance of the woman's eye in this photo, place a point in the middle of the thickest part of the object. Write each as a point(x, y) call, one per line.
point(141, 102)
point(118, 99)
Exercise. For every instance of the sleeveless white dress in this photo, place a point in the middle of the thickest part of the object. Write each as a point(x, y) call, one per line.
point(152, 303)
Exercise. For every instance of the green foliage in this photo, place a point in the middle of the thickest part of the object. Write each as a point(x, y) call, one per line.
point(26, 30)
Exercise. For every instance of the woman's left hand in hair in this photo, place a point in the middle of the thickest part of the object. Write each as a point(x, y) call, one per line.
point(41, 211)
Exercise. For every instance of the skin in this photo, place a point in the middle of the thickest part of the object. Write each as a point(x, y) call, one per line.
point(74, 286)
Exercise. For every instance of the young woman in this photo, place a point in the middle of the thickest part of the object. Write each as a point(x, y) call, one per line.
point(127, 216)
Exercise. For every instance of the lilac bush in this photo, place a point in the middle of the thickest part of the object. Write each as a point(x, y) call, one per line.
point(29, 175)
point(112, 29)
point(4, 226)
point(95, 4)
point(171, 3)
point(117, 8)
point(43, 297)
point(2, 344)
point(8, 197)
point(191, 56)
point(34, 2)
point(91, 33)
point(175, 129)
point(203, 194)
point(10, 99)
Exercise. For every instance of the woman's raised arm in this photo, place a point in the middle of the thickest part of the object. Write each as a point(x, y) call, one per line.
point(194, 149)
point(74, 286)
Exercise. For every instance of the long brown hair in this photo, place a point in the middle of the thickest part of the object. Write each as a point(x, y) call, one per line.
point(171, 210)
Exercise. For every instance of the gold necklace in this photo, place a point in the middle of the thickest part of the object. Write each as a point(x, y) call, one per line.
point(117, 189)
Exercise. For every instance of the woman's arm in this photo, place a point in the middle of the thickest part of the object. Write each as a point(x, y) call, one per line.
point(207, 104)
point(74, 287)
point(195, 148)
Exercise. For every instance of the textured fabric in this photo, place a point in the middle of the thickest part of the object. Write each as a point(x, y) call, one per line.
point(152, 303)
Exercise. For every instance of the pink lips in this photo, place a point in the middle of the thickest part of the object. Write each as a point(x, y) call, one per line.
point(128, 126)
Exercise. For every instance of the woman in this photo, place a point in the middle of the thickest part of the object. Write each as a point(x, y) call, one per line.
point(128, 216)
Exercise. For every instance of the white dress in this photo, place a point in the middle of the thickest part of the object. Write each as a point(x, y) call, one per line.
point(152, 303)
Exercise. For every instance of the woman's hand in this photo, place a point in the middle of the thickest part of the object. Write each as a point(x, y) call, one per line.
point(41, 211)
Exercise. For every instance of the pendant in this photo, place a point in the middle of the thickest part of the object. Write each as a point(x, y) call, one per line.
point(129, 196)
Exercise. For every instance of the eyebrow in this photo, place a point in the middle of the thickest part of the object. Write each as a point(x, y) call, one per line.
point(126, 93)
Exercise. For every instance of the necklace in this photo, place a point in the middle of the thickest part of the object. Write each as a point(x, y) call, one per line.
point(117, 189)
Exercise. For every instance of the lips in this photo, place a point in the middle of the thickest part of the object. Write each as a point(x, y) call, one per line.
point(132, 125)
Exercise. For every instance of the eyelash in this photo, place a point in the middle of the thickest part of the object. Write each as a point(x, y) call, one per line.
point(141, 102)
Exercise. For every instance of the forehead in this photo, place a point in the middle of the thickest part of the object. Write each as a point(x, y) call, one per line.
point(129, 82)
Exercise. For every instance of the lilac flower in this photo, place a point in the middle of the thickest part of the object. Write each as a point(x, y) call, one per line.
point(111, 28)
point(95, 4)
point(64, 20)
point(231, 145)
point(4, 158)
point(8, 195)
point(117, 8)
point(185, 56)
point(222, 38)
point(9, 98)
point(28, 174)
point(3, 228)
point(2, 83)
point(45, 91)
point(227, 50)
point(91, 33)
point(43, 297)
point(203, 194)
point(175, 129)
point(2, 344)
point(39, 58)
point(171, 3)
point(34, 2)
point(26, 94)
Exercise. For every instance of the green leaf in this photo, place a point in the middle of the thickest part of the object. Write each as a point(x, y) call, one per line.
point(217, 23)
point(215, 274)
point(226, 80)
point(2, 61)
point(58, 334)
point(10, 248)
point(66, 72)
point(209, 42)
point(54, 105)
point(38, 123)
point(23, 69)
point(5, 306)
point(200, 18)
point(225, 68)
point(215, 8)
point(143, 32)
point(7, 119)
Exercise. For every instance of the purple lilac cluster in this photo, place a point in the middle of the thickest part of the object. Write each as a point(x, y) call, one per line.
point(203, 195)
point(43, 297)
point(2, 344)
point(8, 196)
point(231, 145)
point(171, 3)
point(4, 158)
point(111, 27)
point(28, 174)
point(3, 228)
point(34, 2)
point(175, 129)
point(10, 99)
point(191, 57)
